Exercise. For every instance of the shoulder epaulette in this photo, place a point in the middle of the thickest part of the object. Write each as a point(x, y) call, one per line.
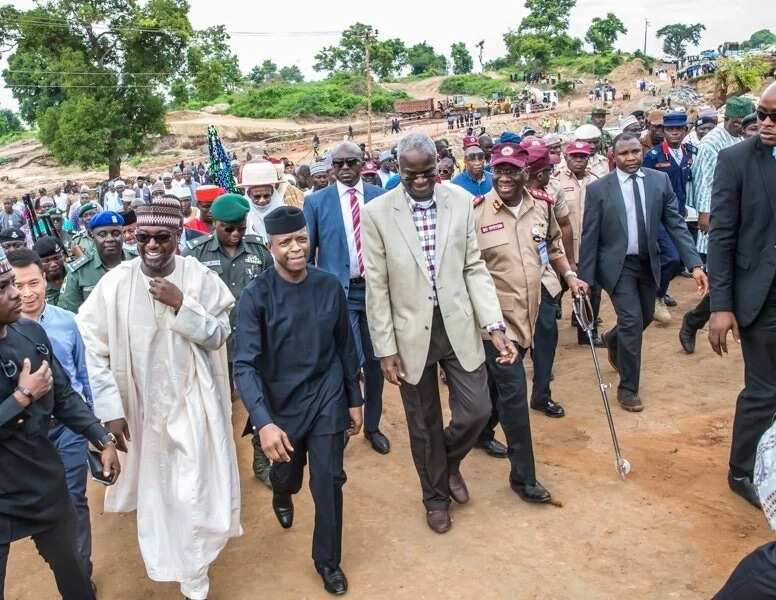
point(478, 200)
point(199, 241)
point(254, 239)
point(77, 264)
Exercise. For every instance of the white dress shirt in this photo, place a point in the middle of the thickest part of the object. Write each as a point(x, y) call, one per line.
point(347, 219)
point(626, 187)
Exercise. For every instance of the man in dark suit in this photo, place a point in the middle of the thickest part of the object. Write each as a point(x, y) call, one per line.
point(742, 267)
point(620, 252)
point(333, 217)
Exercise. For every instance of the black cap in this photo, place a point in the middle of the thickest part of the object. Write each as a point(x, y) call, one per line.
point(129, 216)
point(48, 245)
point(284, 219)
point(639, 114)
point(599, 111)
point(12, 234)
point(749, 119)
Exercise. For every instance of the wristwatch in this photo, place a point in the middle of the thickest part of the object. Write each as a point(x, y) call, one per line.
point(25, 392)
point(103, 442)
point(570, 273)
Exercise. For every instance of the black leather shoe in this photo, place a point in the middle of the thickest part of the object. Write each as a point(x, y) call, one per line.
point(334, 580)
point(611, 349)
point(536, 493)
point(629, 401)
point(283, 506)
point(687, 336)
point(583, 341)
point(670, 302)
point(379, 442)
point(549, 408)
point(493, 448)
point(744, 487)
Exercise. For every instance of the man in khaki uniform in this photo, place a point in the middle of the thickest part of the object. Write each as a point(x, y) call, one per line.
point(519, 238)
point(573, 178)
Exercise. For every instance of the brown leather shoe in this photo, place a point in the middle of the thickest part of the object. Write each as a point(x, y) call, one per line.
point(439, 520)
point(458, 490)
point(629, 401)
point(611, 350)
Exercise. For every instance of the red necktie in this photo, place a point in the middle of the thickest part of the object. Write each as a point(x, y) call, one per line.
point(355, 213)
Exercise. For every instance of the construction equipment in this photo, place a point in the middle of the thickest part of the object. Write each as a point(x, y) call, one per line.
point(416, 108)
point(583, 311)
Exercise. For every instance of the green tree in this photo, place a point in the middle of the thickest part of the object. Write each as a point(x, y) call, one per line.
point(759, 39)
point(93, 73)
point(739, 76)
point(423, 60)
point(678, 35)
point(462, 59)
point(547, 17)
point(265, 72)
point(603, 32)
point(211, 67)
point(387, 57)
point(9, 122)
point(291, 74)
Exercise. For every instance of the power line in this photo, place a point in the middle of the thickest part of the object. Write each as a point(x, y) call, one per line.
point(42, 22)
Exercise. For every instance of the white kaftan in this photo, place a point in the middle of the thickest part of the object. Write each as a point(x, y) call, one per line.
point(167, 374)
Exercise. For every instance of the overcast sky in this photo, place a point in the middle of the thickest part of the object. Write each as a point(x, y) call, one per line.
point(415, 21)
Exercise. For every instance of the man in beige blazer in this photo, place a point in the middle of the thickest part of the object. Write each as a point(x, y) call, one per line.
point(428, 298)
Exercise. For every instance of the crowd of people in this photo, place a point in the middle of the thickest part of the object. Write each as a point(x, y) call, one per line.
point(131, 317)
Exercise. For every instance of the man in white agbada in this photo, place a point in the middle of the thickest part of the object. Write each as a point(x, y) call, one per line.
point(155, 330)
point(265, 190)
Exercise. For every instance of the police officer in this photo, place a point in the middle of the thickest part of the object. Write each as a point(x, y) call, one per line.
point(58, 221)
point(519, 238)
point(598, 118)
point(237, 258)
point(573, 177)
point(35, 501)
point(675, 159)
point(84, 273)
point(12, 239)
point(52, 255)
point(81, 238)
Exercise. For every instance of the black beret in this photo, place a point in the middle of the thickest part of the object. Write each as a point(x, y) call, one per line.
point(284, 219)
point(12, 234)
point(48, 245)
point(129, 216)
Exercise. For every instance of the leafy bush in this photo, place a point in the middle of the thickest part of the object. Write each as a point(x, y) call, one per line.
point(594, 64)
point(336, 96)
point(473, 85)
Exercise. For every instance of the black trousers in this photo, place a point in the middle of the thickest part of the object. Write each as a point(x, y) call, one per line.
point(700, 315)
point(327, 476)
point(634, 302)
point(754, 578)
point(545, 343)
point(438, 450)
point(594, 293)
point(509, 394)
point(59, 548)
point(756, 405)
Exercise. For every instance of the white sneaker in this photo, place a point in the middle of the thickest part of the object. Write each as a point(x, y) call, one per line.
point(662, 315)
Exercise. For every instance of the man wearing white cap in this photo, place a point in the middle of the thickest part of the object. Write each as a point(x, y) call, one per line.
point(167, 182)
point(112, 200)
point(597, 163)
point(264, 189)
point(319, 177)
point(386, 164)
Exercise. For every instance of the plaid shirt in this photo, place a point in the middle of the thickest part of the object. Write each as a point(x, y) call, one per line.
point(424, 216)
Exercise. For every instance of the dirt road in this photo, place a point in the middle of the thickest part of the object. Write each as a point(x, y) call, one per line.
point(672, 530)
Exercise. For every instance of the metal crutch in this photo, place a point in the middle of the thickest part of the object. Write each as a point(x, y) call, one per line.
point(583, 311)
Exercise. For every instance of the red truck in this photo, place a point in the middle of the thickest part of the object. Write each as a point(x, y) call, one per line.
point(416, 108)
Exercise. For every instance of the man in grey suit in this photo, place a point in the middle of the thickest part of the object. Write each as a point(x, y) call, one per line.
point(620, 252)
point(430, 300)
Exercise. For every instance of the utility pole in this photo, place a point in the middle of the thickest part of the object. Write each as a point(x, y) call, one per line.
point(646, 24)
point(367, 39)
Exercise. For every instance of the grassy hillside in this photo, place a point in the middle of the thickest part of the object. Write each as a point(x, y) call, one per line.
point(473, 85)
point(336, 96)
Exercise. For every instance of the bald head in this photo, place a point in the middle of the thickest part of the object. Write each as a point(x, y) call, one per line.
point(766, 116)
point(347, 150)
point(346, 163)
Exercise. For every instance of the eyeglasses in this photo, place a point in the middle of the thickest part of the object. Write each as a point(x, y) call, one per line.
point(430, 174)
point(163, 237)
point(104, 234)
point(233, 228)
point(763, 114)
point(258, 196)
point(507, 172)
point(478, 156)
point(352, 163)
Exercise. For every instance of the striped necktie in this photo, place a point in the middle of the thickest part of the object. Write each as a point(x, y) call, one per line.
point(355, 213)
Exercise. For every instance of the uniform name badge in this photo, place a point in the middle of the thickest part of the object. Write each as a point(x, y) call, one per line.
point(543, 255)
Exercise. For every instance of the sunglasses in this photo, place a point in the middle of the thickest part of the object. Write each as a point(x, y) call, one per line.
point(431, 174)
point(352, 163)
point(115, 234)
point(233, 228)
point(161, 238)
point(762, 115)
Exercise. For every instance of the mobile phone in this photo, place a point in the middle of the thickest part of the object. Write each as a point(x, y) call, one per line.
point(94, 460)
